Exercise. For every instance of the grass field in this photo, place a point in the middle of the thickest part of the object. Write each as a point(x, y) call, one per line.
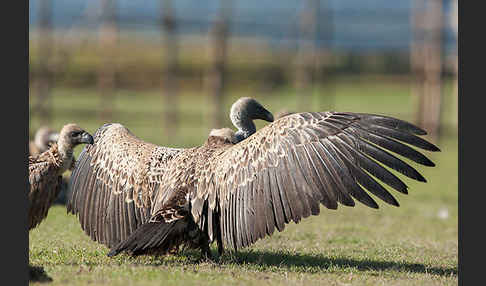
point(414, 244)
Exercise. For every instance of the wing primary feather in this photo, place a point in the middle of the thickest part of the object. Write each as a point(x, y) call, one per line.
point(283, 194)
point(391, 161)
point(109, 220)
point(395, 146)
point(125, 223)
point(101, 225)
point(132, 223)
point(233, 217)
point(318, 184)
point(116, 217)
point(376, 170)
point(269, 214)
point(72, 205)
point(228, 234)
point(311, 176)
point(344, 175)
point(362, 178)
point(250, 210)
point(276, 200)
point(332, 175)
point(294, 202)
point(391, 122)
point(303, 181)
point(85, 205)
point(328, 184)
point(399, 135)
point(95, 196)
point(75, 181)
point(242, 226)
point(258, 226)
point(224, 225)
point(308, 172)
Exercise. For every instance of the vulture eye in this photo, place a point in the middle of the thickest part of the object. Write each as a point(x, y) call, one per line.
point(75, 134)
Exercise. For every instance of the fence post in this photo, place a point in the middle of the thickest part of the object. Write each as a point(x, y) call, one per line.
point(426, 64)
point(325, 57)
point(108, 40)
point(217, 72)
point(170, 71)
point(306, 55)
point(433, 69)
point(417, 58)
point(43, 104)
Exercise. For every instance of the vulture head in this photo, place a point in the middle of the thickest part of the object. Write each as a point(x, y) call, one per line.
point(44, 136)
point(72, 135)
point(242, 114)
point(225, 134)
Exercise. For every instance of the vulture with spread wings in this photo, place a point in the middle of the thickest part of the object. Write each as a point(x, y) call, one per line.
point(115, 180)
point(239, 187)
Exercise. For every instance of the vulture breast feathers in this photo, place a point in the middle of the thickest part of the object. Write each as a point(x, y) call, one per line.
point(46, 169)
point(238, 193)
point(113, 183)
point(43, 175)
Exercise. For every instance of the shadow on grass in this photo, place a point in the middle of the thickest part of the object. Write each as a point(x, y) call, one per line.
point(318, 263)
point(37, 274)
point(281, 260)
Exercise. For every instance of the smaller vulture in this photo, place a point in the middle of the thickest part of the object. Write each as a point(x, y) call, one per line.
point(46, 169)
point(44, 136)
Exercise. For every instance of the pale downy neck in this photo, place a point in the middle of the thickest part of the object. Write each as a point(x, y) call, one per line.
point(66, 154)
point(245, 125)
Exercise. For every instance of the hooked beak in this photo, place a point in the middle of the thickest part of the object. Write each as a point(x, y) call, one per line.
point(86, 138)
point(267, 116)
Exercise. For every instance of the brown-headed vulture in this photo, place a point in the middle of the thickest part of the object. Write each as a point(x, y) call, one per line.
point(46, 169)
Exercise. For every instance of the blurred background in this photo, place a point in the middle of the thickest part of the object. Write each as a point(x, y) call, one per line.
point(170, 70)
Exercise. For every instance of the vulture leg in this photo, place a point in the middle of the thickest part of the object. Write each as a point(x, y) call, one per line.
point(206, 251)
point(220, 244)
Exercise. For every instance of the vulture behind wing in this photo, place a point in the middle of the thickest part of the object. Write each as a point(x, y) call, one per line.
point(238, 193)
point(44, 136)
point(46, 169)
point(115, 180)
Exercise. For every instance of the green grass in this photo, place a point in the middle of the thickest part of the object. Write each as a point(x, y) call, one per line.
point(414, 244)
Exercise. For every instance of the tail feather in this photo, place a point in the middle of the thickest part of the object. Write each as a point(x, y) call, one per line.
point(159, 236)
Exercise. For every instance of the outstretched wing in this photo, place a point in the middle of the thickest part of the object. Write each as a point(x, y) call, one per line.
point(282, 172)
point(113, 182)
point(44, 187)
